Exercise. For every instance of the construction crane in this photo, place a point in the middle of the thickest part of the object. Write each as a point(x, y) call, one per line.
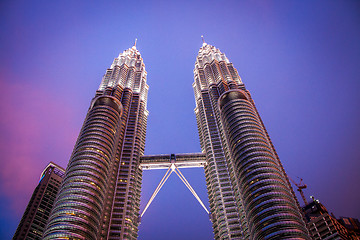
point(300, 186)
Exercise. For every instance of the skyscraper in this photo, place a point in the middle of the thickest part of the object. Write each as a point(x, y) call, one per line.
point(249, 193)
point(37, 212)
point(100, 195)
point(323, 225)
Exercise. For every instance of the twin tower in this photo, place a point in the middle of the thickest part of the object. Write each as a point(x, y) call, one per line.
point(249, 192)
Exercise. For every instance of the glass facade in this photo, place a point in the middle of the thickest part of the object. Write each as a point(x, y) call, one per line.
point(37, 212)
point(249, 193)
point(100, 195)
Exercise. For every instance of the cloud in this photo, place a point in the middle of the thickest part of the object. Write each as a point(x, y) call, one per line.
point(32, 133)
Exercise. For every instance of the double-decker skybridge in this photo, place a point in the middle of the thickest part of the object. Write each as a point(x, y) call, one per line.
point(173, 163)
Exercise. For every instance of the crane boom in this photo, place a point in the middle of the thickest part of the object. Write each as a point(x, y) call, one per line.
point(300, 186)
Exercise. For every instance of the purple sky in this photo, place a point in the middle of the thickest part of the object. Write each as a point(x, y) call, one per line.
point(299, 59)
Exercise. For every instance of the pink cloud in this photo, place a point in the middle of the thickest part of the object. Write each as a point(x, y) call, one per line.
point(35, 128)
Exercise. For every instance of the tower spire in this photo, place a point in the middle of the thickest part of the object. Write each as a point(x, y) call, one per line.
point(202, 37)
point(135, 43)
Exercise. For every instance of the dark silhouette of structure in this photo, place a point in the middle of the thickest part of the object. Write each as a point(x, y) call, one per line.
point(323, 225)
point(37, 212)
point(351, 224)
point(300, 186)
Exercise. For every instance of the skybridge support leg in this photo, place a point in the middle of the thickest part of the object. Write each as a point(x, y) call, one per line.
point(173, 168)
point(187, 184)
point(162, 182)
